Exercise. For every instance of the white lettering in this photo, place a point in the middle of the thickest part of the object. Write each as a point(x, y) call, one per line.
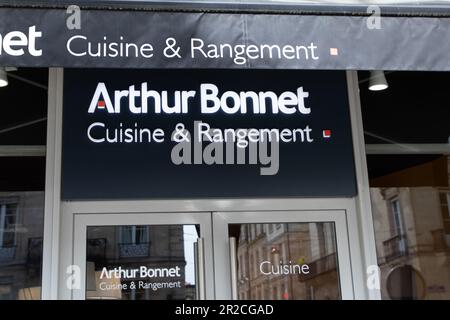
point(108, 49)
point(69, 46)
point(14, 43)
point(268, 268)
point(96, 103)
point(208, 93)
point(211, 101)
point(95, 124)
point(240, 54)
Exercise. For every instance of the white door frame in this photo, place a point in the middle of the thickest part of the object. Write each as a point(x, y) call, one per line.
point(142, 212)
point(222, 263)
point(59, 215)
point(82, 221)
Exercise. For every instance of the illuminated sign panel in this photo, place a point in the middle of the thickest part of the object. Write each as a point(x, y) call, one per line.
point(196, 133)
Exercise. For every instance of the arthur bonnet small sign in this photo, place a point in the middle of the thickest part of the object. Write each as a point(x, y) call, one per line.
point(197, 133)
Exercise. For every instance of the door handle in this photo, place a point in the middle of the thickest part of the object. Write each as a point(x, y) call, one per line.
point(199, 254)
point(233, 267)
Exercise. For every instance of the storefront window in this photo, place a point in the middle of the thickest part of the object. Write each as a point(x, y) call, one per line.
point(143, 262)
point(407, 143)
point(23, 104)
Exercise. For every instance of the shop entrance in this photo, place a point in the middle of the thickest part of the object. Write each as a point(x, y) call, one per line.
point(302, 255)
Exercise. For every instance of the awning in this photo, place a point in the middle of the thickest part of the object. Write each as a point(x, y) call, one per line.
point(146, 39)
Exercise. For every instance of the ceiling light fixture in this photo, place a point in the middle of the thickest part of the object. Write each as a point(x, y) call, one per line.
point(377, 81)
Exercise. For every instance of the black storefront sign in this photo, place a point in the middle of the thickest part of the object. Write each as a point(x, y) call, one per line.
point(137, 39)
point(150, 134)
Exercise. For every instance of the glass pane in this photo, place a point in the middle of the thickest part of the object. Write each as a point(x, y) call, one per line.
point(407, 137)
point(141, 234)
point(23, 123)
point(151, 262)
point(413, 259)
point(287, 261)
point(126, 234)
point(21, 229)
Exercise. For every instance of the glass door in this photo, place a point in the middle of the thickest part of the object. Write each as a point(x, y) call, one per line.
point(301, 255)
point(144, 256)
point(294, 255)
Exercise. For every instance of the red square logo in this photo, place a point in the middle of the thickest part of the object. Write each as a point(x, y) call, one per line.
point(101, 104)
point(327, 133)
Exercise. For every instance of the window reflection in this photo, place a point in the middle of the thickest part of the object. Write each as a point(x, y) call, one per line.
point(21, 227)
point(23, 115)
point(407, 138)
point(287, 261)
point(412, 228)
point(141, 262)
